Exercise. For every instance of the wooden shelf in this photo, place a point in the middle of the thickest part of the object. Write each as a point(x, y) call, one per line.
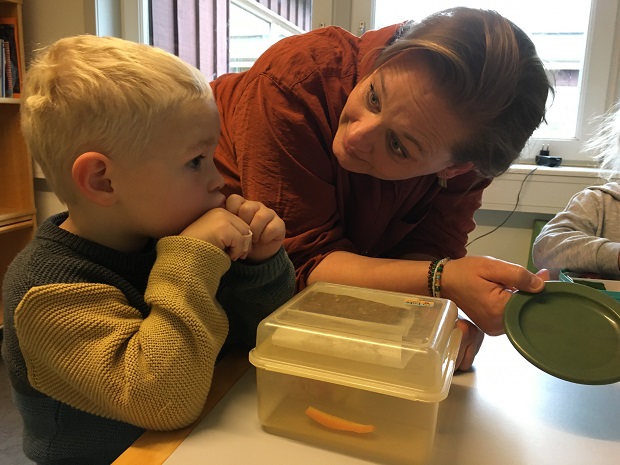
point(19, 220)
point(17, 209)
point(12, 100)
point(7, 214)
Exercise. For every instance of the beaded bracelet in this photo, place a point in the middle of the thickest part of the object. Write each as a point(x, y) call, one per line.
point(431, 274)
point(438, 270)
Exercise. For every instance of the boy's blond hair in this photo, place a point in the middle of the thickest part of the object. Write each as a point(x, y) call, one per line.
point(104, 94)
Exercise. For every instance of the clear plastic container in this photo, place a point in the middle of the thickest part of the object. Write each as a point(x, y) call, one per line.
point(374, 363)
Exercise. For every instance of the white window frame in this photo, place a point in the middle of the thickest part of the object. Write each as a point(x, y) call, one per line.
point(601, 80)
point(127, 19)
point(135, 20)
point(252, 6)
point(271, 17)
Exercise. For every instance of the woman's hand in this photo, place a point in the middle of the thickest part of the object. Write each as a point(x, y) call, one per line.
point(470, 344)
point(482, 286)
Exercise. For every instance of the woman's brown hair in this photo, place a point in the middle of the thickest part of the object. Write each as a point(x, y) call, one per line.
point(488, 70)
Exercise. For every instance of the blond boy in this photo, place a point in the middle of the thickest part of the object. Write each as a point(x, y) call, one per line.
point(116, 312)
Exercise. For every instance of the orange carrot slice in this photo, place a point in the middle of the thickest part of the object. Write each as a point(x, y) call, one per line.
point(334, 422)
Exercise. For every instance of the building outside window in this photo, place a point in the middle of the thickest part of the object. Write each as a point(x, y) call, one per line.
point(252, 30)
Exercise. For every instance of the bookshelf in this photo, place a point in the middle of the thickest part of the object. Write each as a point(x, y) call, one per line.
point(17, 210)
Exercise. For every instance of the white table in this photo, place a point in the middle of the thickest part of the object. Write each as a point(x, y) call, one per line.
point(505, 412)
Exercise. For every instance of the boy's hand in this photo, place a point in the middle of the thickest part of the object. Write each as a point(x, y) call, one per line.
point(224, 230)
point(268, 229)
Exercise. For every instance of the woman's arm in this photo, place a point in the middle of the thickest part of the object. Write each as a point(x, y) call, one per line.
point(480, 286)
point(408, 276)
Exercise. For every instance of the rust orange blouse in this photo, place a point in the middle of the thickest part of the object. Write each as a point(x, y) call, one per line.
point(278, 122)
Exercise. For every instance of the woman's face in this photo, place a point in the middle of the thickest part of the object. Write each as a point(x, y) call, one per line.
point(395, 125)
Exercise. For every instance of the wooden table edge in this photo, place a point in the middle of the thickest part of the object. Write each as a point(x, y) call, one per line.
point(154, 447)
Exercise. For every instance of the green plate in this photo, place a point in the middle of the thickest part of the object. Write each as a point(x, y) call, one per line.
point(571, 331)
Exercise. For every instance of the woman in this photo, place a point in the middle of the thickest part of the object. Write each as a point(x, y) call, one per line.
point(375, 151)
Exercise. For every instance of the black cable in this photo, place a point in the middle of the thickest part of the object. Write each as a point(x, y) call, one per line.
point(509, 215)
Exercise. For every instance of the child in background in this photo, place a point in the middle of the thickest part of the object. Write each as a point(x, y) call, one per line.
point(117, 310)
point(585, 237)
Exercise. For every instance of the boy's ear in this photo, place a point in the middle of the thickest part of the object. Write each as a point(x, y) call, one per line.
point(90, 174)
point(456, 170)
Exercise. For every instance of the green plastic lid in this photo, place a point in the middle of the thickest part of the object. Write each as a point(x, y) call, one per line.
point(568, 330)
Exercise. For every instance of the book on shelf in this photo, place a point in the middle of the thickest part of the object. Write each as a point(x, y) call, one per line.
point(9, 33)
point(8, 73)
point(2, 70)
point(7, 77)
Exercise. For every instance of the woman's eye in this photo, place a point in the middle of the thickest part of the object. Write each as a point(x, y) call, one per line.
point(397, 148)
point(372, 97)
point(195, 163)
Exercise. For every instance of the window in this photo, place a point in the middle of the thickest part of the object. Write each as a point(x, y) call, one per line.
point(216, 36)
point(575, 40)
point(252, 29)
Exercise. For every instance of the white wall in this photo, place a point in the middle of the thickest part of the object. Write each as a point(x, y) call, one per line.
point(70, 17)
point(40, 30)
point(511, 242)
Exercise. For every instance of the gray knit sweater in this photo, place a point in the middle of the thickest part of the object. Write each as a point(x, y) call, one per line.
point(585, 237)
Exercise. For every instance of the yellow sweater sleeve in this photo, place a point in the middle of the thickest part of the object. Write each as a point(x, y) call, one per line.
point(87, 347)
